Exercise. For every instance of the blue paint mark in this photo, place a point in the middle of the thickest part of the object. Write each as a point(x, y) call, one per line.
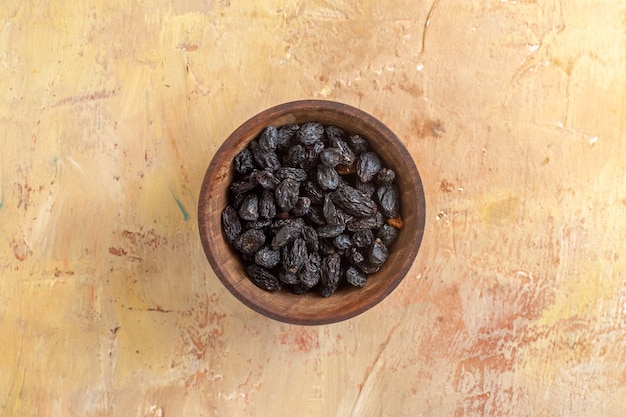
point(182, 209)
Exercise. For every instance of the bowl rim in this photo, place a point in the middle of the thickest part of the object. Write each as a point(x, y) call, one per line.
point(258, 122)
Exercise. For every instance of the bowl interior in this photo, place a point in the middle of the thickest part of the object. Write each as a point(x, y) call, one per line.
point(311, 308)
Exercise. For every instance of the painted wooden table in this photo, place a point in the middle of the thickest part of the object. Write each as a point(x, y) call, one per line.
point(514, 112)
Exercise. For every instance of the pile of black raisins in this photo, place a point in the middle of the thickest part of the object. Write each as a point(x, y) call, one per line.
point(310, 207)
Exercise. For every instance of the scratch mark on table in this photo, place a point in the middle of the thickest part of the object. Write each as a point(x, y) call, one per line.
point(370, 370)
point(98, 95)
point(429, 17)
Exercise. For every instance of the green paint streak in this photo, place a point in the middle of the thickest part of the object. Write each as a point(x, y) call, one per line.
point(182, 209)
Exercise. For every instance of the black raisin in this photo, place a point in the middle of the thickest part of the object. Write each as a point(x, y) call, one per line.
point(310, 237)
point(355, 277)
point(386, 176)
point(267, 257)
point(329, 230)
point(315, 216)
point(286, 194)
point(363, 238)
point(342, 242)
point(314, 192)
point(249, 209)
point(267, 206)
point(266, 179)
point(333, 134)
point(358, 144)
point(327, 177)
point(310, 272)
point(297, 174)
point(367, 268)
point(353, 201)
point(309, 133)
point(354, 256)
point(268, 141)
point(368, 166)
point(294, 156)
point(249, 242)
point(367, 188)
point(330, 212)
point(330, 274)
point(302, 207)
point(373, 222)
point(348, 156)
point(258, 224)
point(389, 200)
point(387, 234)
point(285, 136)
point(231, 223)
point(245, 184)
point(294, 255)
point(378, 253)
point(263, 278)
point(243, 162)
point(287, 277)
point(263, 157)
point(331, 157)
point(286, 234)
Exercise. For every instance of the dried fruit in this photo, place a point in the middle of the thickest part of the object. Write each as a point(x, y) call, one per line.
point(265, 158)
point(249, 209)
point(249, 242)
point(268, 141)
point(243, 162)
point(267, 257)
point(355, 277)
point(389, 200)
point(353, 201)
point(330, 274)
point(310, 207)
point(378, 253)
point(231, 223)
point(373, 222)
point(286, 194)
point(266, 179)
point(358, 144)
point(286, 234)
point(302, 207)
point(297, 174)
point(386, 176)
point(327, 177)
point(285, 136)
point(267, 206)
point(363, 238)
point(396, 222)
point(294, 256)
point(310, 272)
point(387, 234)
point(331, 157)
point(330, 230)
point(368, 166)
point(263, 278)
point(309, 133)
point(342, 242)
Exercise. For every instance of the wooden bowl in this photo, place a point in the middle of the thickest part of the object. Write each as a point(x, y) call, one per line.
point(311, 308)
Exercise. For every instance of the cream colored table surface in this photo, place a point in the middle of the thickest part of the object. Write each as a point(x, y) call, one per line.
point(514, 112)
